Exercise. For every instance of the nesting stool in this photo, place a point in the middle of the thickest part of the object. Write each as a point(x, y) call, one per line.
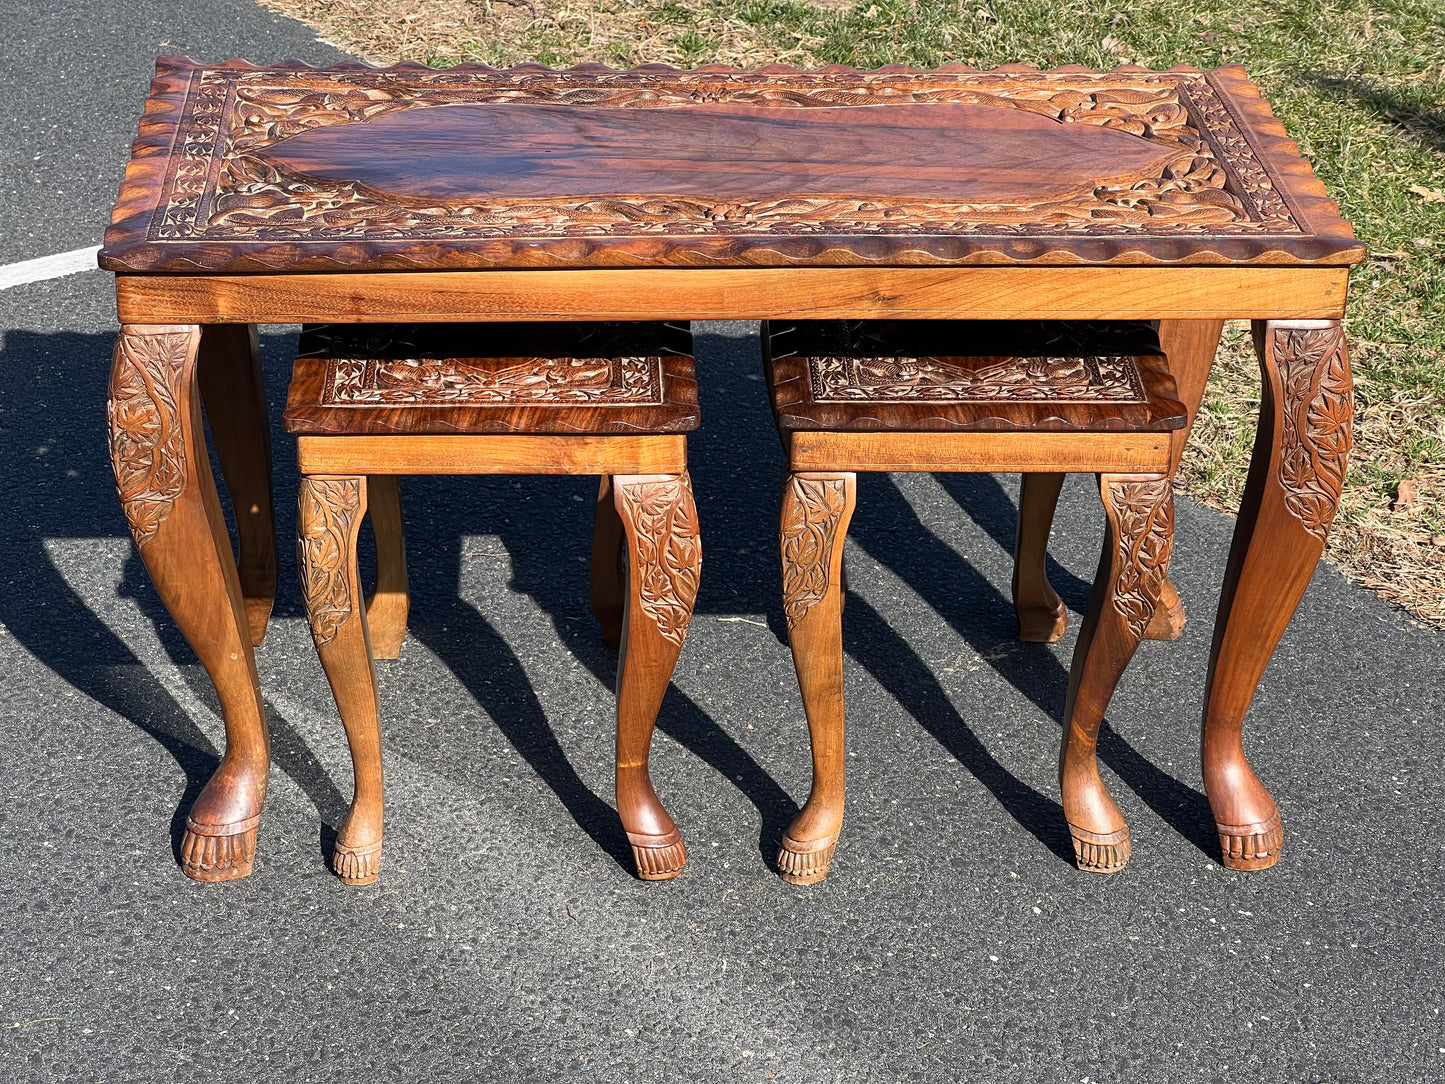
point(1041, 399)
point(372, 402)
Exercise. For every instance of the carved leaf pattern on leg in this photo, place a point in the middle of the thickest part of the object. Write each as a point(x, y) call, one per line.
point(812, 508)
point(1318, 409)
point(147, 442)
point(326, 512)
point(1143, 515)
point(669, 550)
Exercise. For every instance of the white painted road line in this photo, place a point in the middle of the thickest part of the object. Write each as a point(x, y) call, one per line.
point(48, 267)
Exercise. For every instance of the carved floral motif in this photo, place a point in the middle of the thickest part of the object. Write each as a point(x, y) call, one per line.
point(224, 188)
point(1061, 379)
point(563, 381)
point(1318, 408)
point(326, 514)
point(1142, 511)
point(812, 510)
point(147, 442)
point(663, 527)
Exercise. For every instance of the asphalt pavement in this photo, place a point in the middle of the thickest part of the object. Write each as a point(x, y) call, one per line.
point(507, 939)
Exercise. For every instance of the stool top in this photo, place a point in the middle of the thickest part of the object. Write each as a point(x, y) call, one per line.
point(238, 168)
point(549, 378)
point(903, 376)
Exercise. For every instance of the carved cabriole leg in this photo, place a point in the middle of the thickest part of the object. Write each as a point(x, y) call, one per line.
point(163, 474)
point(328, 519)
point(234, 393)
point(607, 557)
point(1043, 618)
point(814, 521)
point(1295, 478)
point(1139, 511)
point(664, 553)
point(387, 608)
point(1190, 346)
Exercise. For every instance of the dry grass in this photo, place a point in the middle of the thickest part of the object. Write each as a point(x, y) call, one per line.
point(1360, 84)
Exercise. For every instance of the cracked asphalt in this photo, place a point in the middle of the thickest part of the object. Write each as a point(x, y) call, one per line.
point(507, 938)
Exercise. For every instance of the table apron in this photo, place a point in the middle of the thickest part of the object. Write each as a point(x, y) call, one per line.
point(922, 293)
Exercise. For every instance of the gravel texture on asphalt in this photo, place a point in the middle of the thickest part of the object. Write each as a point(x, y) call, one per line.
point(507, 939)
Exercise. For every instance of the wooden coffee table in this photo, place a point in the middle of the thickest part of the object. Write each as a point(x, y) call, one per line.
point(295, 194)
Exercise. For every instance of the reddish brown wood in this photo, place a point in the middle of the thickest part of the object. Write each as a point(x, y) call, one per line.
point(816, 509)
point(648, 610)
point(1139, 511)
point(1295, 478)
point(328, 519)
point(387, 608)
point(664, 560)
point(244, 169)
point(1043, 617)
point(163, 474)
point(234, 393)
point(532, 378)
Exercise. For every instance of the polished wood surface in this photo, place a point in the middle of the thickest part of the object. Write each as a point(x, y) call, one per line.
point(237, 168)
point(819, 495)
point(647, 554)
point(208, 230)
point(508, 378)
point(743, 293)
point(947, 375)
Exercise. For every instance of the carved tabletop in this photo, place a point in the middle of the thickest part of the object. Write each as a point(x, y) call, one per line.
point(238, 168)
point(411, 195)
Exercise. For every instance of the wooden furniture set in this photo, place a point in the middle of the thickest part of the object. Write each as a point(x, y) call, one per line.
point(961, 270)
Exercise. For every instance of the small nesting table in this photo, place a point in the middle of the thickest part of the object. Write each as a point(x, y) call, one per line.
point(355, 194)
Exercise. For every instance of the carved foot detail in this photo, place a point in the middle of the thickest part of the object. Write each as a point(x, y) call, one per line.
point(1251, 846)
point(1039, 625)
point(658, 858)
point(805, 863)
point(1168, 620)
point(219, 852)
point(357, 865)
point(1100, 852)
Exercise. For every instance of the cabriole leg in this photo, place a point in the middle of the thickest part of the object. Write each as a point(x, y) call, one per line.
point(1139, 511)
point(816, 509)
point(163, 474)
point(607, 556)
point(329, 512)
point(1295, 478)
point(664, 559)
point(1043, 618)
point(234, 393)
point(387, 608)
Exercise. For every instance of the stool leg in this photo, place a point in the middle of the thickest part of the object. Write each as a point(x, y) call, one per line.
point(608, 553)
point(814, 521)
point(1043, 618)
point(664, 557)
point(328, 519)
point(387, 608)
point(1139, 509)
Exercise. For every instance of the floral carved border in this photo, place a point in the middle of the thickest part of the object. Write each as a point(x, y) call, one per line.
point(1142, 512)
point(1112, 378)
point(812, 510)
point(147, 440)
point(662, 525)
point(327, 511)
point(222, 185)
point(1318, 409)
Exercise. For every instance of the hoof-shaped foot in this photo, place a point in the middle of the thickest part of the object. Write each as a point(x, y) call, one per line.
point(357, 865)
point(1100, 852)
point(219, 852)
point(1043, 625)
point(805, 863)
point(658, 858)
point(1168, 620)
point(1251, 846)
